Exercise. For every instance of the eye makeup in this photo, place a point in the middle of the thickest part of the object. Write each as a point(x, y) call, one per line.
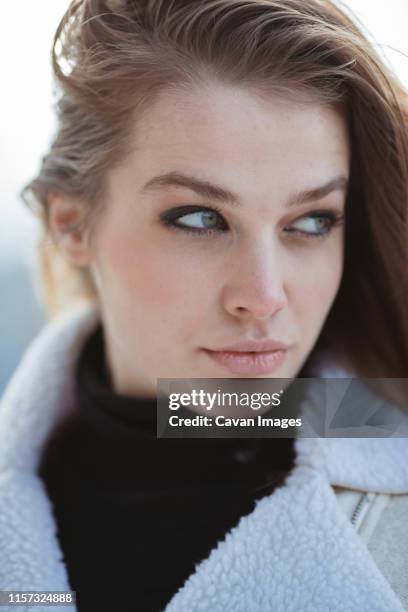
point(172, 219)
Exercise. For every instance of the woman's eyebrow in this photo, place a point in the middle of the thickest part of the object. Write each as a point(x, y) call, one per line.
point(209, 191)
point(339, 183)
point(203, 188)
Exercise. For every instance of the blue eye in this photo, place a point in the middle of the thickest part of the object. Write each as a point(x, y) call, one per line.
point(207, 217)
point(195, 219)
point(204, 221)
point(317, 224)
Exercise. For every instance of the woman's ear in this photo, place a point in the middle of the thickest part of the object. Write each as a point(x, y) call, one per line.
point(70, 234)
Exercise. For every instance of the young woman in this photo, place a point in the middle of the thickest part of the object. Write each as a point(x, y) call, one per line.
point(228, 178)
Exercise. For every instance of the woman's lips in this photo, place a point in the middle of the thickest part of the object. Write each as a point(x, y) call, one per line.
point(249, 363)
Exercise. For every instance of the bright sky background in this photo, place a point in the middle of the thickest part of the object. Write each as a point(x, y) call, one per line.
point(26, 118)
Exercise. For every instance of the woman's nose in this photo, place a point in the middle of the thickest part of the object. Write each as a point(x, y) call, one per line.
point(255, 288)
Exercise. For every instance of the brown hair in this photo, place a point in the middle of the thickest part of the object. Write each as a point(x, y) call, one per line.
point(111, 57)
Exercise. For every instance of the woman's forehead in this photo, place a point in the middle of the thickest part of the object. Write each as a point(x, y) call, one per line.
point(227, 143)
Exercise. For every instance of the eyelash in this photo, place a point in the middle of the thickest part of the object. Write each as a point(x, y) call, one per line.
point(170, 217)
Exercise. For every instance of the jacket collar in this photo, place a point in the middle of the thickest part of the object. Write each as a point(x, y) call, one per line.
point(258, 565)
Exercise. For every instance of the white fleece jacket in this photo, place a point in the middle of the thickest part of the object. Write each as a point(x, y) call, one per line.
point(297, 551)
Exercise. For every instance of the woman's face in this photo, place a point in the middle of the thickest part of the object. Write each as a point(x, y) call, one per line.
point(219, 229)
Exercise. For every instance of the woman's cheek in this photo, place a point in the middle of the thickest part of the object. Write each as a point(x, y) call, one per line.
point(328, 282)
point(315, 283)
point(152, 276)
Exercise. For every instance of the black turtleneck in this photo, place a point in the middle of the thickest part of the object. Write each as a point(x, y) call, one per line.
point(135, 513)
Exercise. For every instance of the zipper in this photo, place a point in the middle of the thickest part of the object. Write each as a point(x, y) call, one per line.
point(362, 508)
point(358, 509)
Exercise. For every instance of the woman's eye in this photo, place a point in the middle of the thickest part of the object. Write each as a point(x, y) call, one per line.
point(204, 221)
point(316, 225)
point(194, 219)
